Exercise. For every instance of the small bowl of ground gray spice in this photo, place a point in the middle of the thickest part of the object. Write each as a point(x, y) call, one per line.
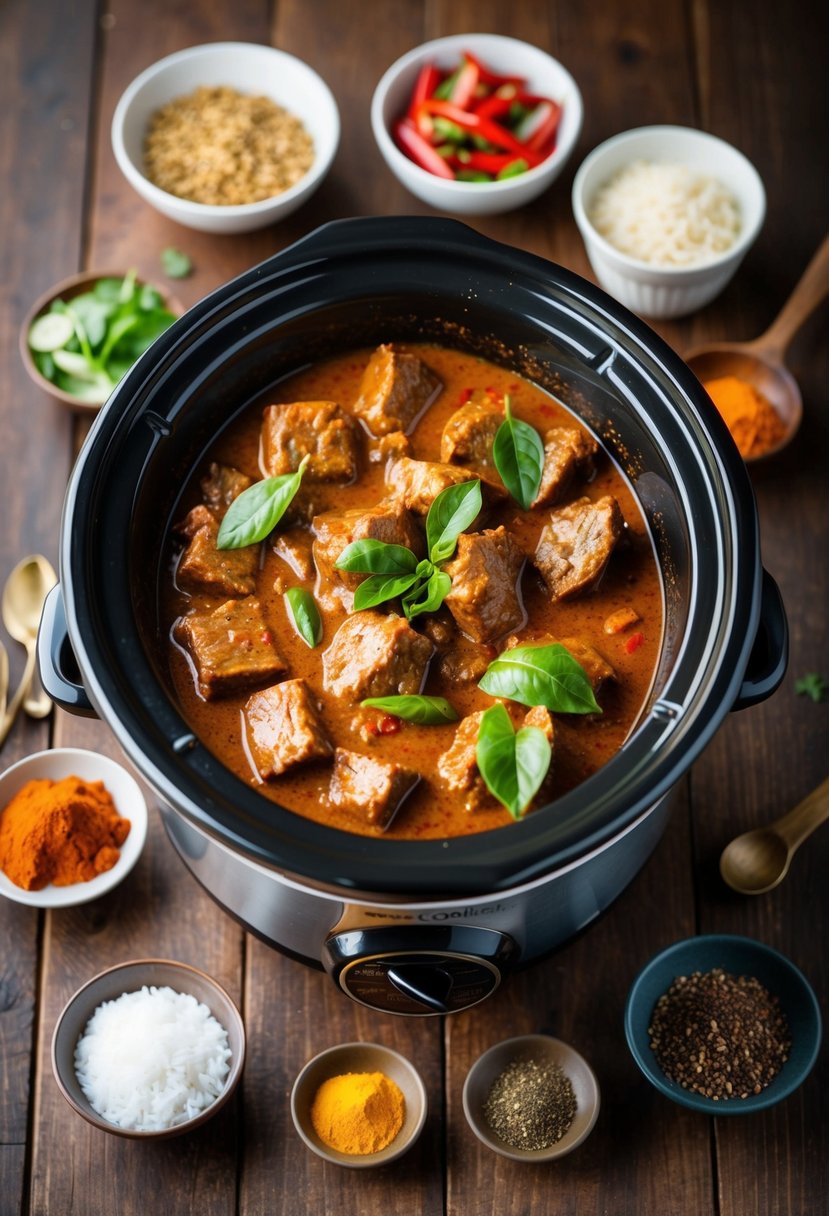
point(531, 1098)
point(722, 1024)
point(227, 137)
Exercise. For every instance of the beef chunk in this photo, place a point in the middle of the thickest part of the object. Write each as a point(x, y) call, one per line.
point(389, 522)
point(484, 598)
point(575, 546)
point(417, 483)
point(539, 716)
point(464, 662)
point(222, 484)
point(294, 546)
point(568, 452)
point(394, 391)
point(388, 447)
point(468, 435)
point(231, 647)
point(458, 766)
point(203, 567)
point(370, 788)
point(596, 667)
point(375, 655)
point(319, 429)
point(284, 728)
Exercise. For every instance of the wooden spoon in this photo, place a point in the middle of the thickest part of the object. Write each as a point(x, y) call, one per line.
point(760, 362)
point(757, 861)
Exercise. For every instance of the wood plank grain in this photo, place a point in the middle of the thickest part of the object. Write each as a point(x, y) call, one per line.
point(45, 96)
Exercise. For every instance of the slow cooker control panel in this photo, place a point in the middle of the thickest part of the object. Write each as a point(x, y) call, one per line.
point(418, 971)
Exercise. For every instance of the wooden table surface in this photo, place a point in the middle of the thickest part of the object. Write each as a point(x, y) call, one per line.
point(754, 73)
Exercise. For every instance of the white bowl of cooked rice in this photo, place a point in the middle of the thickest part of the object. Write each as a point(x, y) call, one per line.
point(226, 137)
point(149, 1049)
point(667, 215)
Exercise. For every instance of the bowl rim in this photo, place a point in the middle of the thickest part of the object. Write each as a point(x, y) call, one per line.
point(233, 1076)
point(154, 193)
point(391, 152)
point(362, 1161)
point(562, 1147)
point(74, 894)
point(774, 1092)
point(41, 304)
point(625, 261)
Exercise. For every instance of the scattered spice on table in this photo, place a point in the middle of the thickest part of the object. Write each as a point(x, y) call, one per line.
point(222, 147)
point(61, 832)
point(720, 1035)
point(531, 1104)
point(752, 420)
point(358, 1113)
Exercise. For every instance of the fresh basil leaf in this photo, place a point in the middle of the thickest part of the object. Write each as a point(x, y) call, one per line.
point(512, 765)
point(304, 615)
point(107, 290)
point(451, 513)
point(378, 588)
point(149, 299)
point(175, 264)
point(426, 711)
point(429, 596)
point(376, 557)
point(541, 675)
point(258, 510)
point(519, 457)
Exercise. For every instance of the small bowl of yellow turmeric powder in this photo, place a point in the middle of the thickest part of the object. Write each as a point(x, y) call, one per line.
point(72, 826)
point(359, 1104)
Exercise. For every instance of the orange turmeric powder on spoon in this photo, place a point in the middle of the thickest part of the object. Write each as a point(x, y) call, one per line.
point(754, 423)
point(61, 832)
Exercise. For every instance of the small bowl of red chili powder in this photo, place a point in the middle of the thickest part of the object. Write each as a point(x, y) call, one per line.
point(722, 1024)
point(72, 826)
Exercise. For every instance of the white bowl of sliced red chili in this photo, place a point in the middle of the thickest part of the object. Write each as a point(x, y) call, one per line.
point(476, 124)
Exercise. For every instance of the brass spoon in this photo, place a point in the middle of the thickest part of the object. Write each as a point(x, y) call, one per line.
point(761, 362)
point(4, 679)
point(23, 596)
point(757, 861)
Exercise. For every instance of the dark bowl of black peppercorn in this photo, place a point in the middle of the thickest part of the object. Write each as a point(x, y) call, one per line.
point(723, 1024)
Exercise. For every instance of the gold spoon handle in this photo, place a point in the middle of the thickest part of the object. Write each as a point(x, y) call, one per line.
point(17, 699)
point(809, 292)
point(802, 820)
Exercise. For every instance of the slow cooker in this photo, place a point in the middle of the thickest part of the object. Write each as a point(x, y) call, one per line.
point(412, 927)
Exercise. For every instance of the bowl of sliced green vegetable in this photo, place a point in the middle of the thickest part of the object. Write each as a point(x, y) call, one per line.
point(83, 335)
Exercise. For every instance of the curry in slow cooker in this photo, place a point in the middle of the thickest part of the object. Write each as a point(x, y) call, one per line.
point(277, 644)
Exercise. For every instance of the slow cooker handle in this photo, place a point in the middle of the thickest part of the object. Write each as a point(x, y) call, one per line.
point(770, 652)
point(59, 671)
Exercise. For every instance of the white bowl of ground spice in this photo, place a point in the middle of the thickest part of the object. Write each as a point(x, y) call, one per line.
point(226, 137)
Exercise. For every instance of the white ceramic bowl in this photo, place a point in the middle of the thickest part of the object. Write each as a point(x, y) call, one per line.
point(545, 77)
point(129, 802)
point(249, 68)
point(667, 291)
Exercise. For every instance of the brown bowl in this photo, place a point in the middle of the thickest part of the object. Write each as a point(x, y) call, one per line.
point(130, 977)
point(67, 289)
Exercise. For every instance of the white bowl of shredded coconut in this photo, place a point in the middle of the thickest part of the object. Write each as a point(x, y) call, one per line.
point(150, 1048)
point(226, 137)
point(667, 215)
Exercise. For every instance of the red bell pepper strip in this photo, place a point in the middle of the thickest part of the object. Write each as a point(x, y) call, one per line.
point(485, 127)
point(425, 85)
point(491, 78)
point(419, 151)
point(545, 133)
point(466, 82)
point(491, 162)
point(494, 106)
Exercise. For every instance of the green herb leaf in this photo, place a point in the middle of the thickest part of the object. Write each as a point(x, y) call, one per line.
point(258, 510)
point(451, 513)
point(814, 686)
point(429, 596)
point(175, 264)
point(378, 588)
point(426, 711)
point(519, 457)
point(512, 765)
point(304, 615)
point(541, 675)
point(376, 557)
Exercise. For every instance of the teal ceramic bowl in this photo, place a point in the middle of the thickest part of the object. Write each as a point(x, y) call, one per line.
point(739, 956)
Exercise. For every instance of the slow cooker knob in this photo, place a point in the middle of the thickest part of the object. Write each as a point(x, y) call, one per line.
point(430, 985)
